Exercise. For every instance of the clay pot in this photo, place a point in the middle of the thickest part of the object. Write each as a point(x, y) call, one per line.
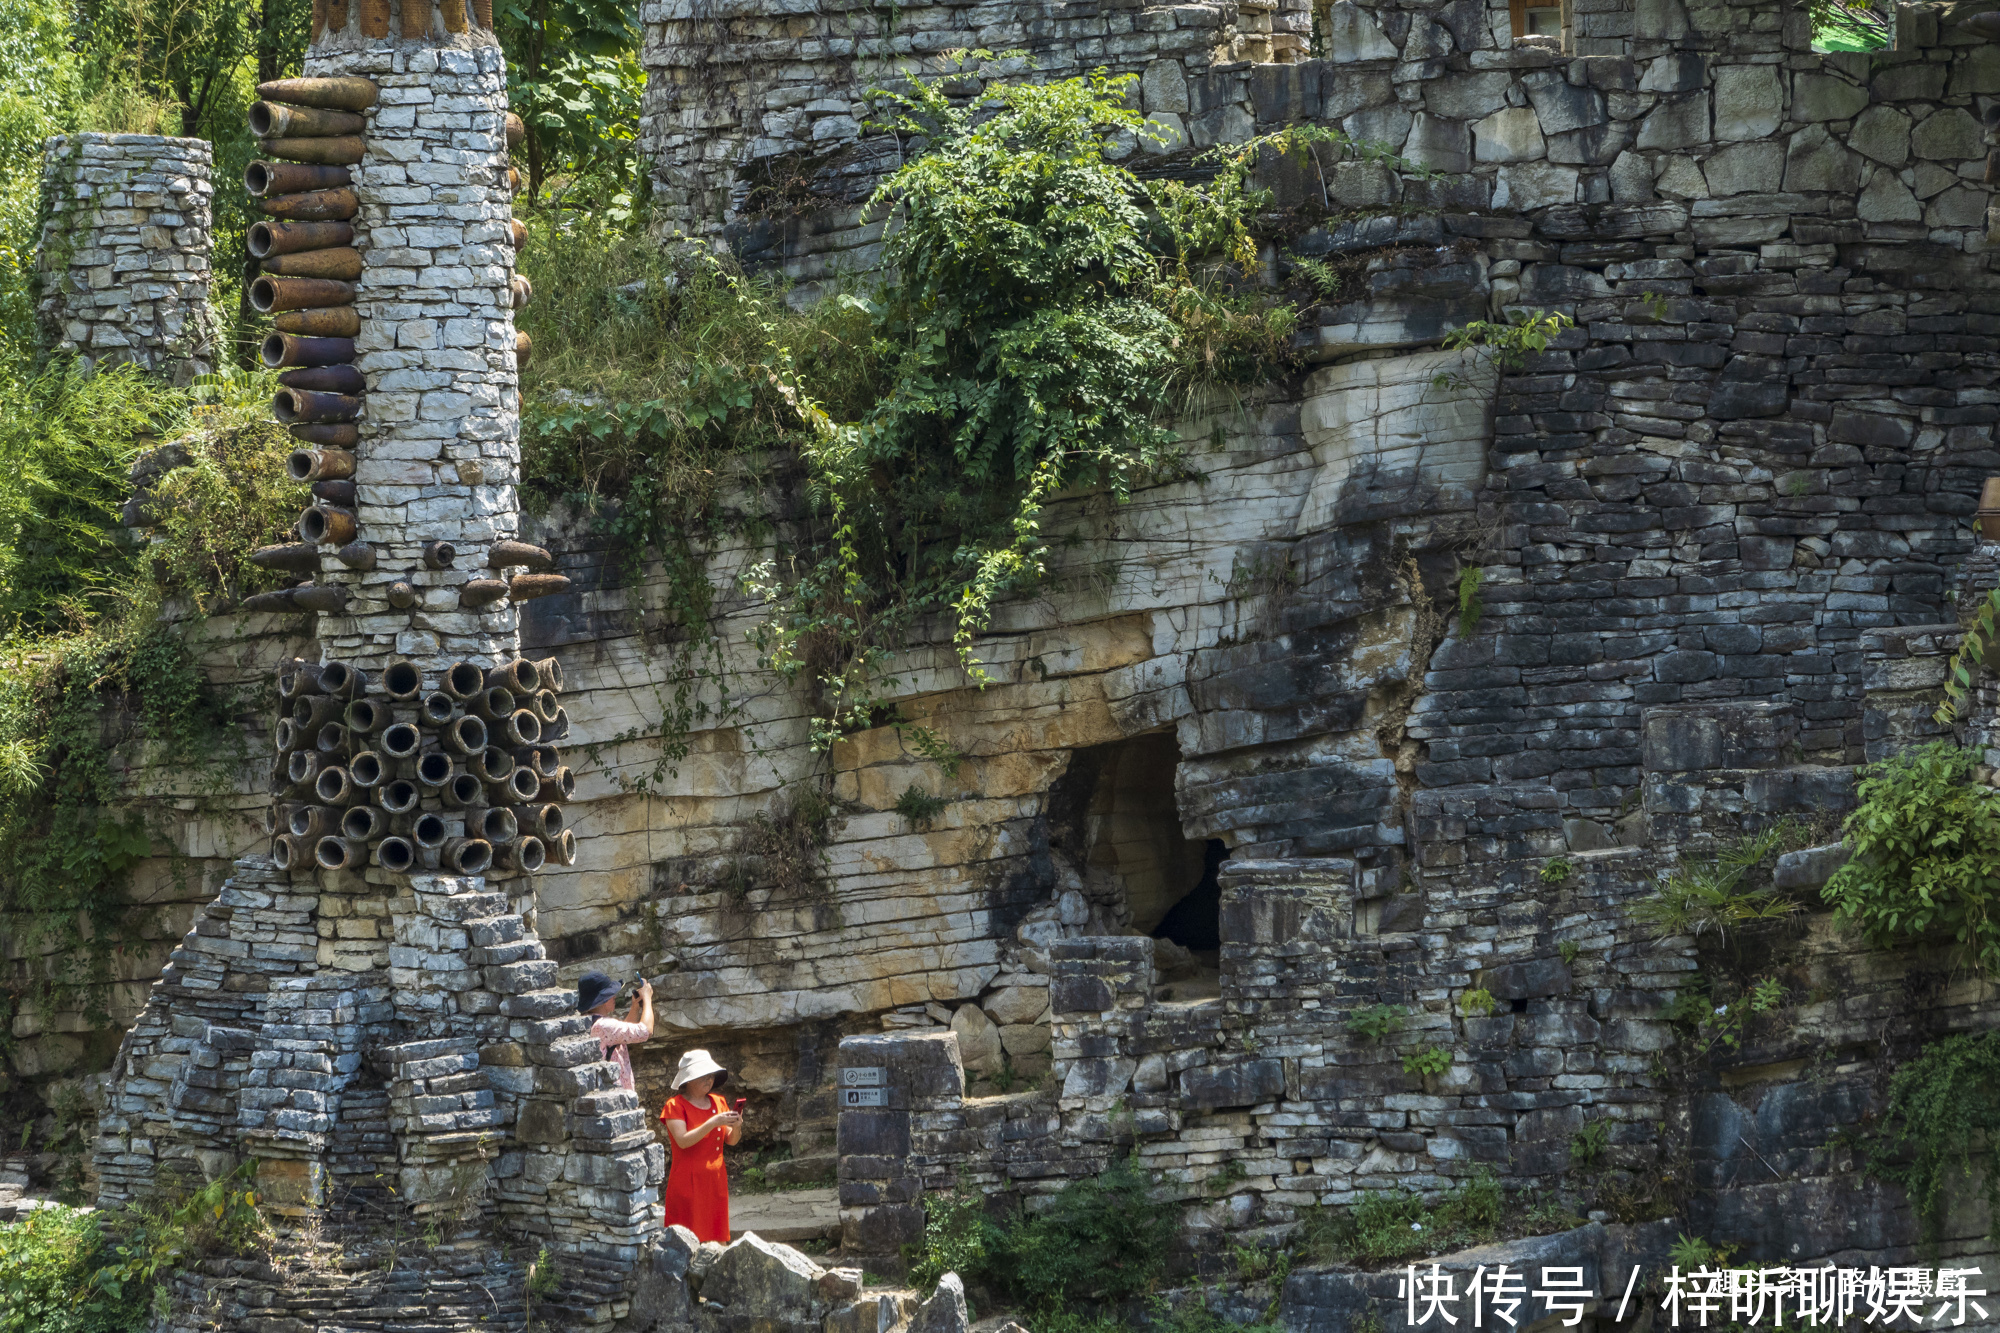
point(276, 120)
point(330, 434)
point(313, 206)
point(288, 349)
point(280, 178)
point(339, 321)
point(342, 264)
point(342, 151)
point(269, 239)
point(342, 93)
point(325, 379)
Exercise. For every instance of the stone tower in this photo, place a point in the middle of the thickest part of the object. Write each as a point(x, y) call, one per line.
point(367, 1011)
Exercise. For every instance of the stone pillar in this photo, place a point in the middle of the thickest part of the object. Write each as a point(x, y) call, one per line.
point(882, 1157)
point(123, 260)
point(439, 451)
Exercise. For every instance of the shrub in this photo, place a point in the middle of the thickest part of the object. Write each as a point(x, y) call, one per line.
point(1942, 1121)
point(1477, 1002)
point(958, 1238)
point(1103, 1239)
point(919, 806)
point(1037, 329)
point(1925, 854)
point(47, 1262)
point(1587, 1145)
point(1427, 1062)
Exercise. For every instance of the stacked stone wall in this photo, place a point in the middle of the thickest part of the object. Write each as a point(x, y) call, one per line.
point(123, 264)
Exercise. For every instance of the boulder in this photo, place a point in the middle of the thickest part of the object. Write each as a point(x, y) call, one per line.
point(886, 1312)
point(1024, 1039)
point(978, 1038)
point(659, 1297)
point(1949, 134)
point(945, 1311)
point(1886, 199)
point(1016, 1004)
point(1883, 133)
point(702, 1260)
point(752, 1275)
point(1749, 101)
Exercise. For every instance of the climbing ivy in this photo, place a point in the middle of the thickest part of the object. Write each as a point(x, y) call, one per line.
point(1941, 1123)
point(1980, 636)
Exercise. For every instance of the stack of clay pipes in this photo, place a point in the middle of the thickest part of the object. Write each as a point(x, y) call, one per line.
point(356, 758)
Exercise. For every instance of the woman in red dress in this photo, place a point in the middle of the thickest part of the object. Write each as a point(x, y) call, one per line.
point(698, 1123)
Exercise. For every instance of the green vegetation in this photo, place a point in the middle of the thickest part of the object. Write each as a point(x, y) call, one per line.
point(1477, 1002)
point(1587, 1145)
point(1470, 607)
point(573, 77)
point(1376, 1021)
point(1981, 634)
point(1719, 895)
point(1850, 25)
point(1382, 1228)
point(1556, 870)
point(1925, 862)
point(919, 806)
point(67, 1271)
point(1941, 1125)
point(1507, 343)
point(1711, 1024)
point(1038, 330)
point(1101, 1241)
point(87, 665)
point(1426, 1061)
point(1692, 1252)
point(1570, 950)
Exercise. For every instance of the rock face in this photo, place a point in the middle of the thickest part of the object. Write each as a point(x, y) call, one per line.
point(1400, 706)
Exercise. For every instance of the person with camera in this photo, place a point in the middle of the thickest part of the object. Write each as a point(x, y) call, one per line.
point(597, 996)
point(699, 1122)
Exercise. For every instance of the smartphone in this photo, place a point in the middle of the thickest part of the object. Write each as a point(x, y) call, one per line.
point(741, 1102)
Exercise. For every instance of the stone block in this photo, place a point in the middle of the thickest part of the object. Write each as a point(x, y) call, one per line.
point(1810, 867)
point(1535, 979)
point(1246, 1084)
point(923, 1070)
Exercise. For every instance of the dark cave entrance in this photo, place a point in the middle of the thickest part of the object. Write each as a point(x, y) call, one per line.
point(1166, 881)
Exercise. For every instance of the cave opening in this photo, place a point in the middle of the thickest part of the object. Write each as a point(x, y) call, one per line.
point(1167, 881)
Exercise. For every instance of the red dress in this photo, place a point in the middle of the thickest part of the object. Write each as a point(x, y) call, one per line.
point(698, 1184)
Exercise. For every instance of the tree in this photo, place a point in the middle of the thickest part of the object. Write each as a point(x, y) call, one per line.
point(572, 78)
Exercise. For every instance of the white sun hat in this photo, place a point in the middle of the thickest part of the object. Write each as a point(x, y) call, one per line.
point(693, 1065)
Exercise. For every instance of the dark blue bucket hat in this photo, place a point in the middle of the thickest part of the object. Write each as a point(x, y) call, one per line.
point(593, 989)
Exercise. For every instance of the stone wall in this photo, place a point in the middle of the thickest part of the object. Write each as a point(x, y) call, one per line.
point(1714, 529)
point(752, 115)
point(124, 265)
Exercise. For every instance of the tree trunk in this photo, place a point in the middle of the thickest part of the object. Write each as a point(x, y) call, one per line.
point(267, 42)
